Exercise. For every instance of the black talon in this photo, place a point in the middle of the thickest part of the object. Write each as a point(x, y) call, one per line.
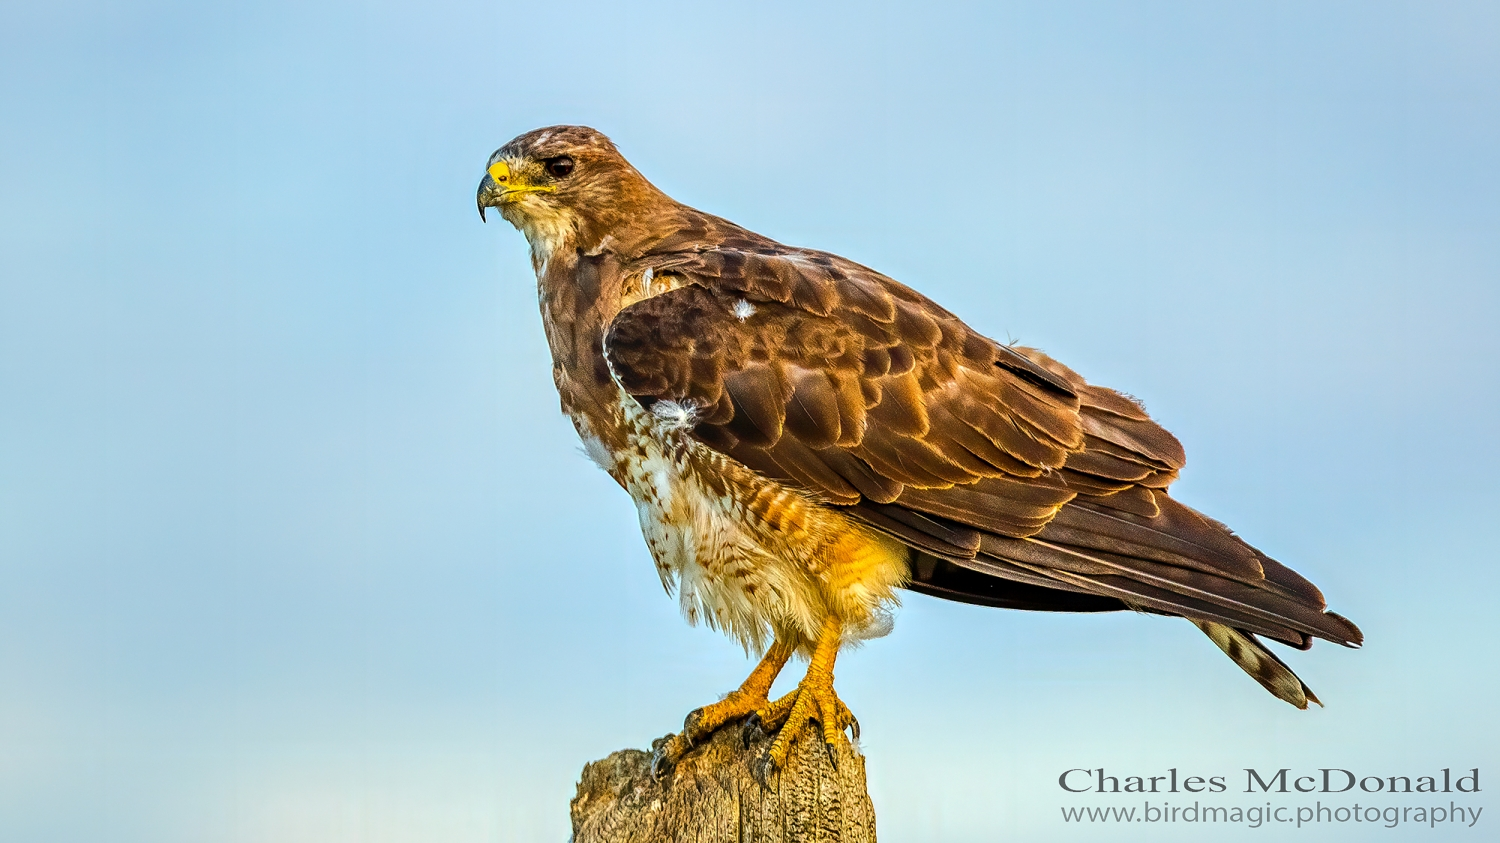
point(663, 759)
point(753, 730)
point(761, 769)
point(854, 726)
point(690, 722)
point(660, 767)
point(833, 760)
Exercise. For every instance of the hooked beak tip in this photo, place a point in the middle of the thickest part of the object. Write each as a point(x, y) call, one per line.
point(484, 196)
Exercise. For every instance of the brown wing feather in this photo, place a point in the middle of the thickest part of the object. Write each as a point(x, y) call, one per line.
point(903, 395)
point(999, 462)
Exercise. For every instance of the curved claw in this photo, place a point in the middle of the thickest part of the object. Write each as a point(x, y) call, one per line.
point(833, 758)
point(753, 730)
point(665, 755)
point(762, 768)
point(659, 768)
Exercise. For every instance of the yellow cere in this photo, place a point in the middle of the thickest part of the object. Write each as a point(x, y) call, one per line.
point(500, 172)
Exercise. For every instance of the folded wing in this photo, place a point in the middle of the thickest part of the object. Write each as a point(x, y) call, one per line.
point(1015, 482)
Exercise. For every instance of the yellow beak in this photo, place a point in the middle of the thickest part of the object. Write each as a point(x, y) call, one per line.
point(497, 187)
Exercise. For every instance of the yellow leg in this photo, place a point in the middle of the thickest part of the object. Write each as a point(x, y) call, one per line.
point(747, 699)
point(814, 699)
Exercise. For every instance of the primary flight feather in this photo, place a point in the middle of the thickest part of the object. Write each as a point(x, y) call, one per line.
point(802, 436)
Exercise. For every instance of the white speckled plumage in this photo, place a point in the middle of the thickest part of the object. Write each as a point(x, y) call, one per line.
point(750, 556)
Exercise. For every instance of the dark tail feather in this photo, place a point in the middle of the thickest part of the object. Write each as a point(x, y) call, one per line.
point(1262, 665)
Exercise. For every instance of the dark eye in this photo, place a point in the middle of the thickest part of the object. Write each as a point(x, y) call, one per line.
point(559, 167)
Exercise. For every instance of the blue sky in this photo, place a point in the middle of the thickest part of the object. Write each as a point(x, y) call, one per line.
point(294, 544)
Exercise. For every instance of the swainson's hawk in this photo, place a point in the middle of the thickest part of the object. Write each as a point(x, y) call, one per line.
point(803, 436)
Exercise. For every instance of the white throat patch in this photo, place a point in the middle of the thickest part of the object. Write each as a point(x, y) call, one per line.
point(547, 228)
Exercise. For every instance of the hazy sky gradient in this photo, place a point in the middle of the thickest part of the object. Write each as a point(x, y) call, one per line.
point(295, 545)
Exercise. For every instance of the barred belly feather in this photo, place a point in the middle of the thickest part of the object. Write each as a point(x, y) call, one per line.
point(745, 554)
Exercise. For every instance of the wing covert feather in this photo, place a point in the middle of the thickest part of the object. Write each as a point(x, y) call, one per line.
point(810, 358)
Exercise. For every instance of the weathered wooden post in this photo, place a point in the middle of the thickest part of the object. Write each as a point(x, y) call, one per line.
point(713, 795)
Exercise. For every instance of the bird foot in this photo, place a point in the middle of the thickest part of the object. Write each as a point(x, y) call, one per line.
point(702, 722)
point(750, 697)
point(813, 699)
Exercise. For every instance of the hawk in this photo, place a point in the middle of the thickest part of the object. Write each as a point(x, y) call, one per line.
point(804, 436)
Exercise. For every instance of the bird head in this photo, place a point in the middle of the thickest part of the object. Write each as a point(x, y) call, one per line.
point(562, 183)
